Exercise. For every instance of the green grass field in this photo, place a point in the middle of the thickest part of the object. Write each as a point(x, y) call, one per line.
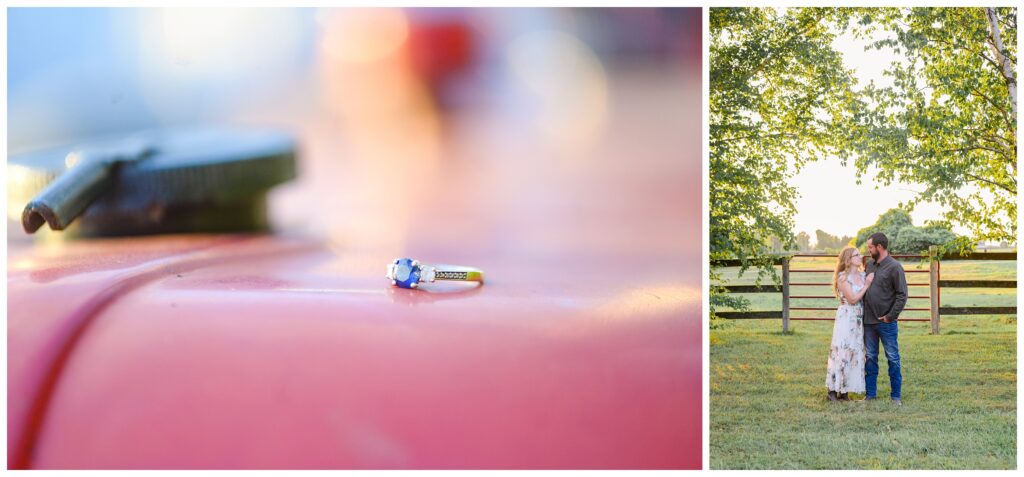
point(768, 407)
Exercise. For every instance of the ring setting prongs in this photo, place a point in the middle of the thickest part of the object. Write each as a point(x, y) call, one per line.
point(407, 273)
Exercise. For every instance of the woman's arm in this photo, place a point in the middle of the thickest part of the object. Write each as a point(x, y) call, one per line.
point(847, 290)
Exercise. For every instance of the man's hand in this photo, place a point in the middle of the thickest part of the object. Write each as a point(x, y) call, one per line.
point(884, 319)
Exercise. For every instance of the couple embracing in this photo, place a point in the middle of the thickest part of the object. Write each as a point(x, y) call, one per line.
point(872, 295)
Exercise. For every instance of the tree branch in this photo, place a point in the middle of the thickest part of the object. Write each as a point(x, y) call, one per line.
point(771, 54)
point(996, 105)
point(996, 184)
point(1005, 68)
point(751, 136)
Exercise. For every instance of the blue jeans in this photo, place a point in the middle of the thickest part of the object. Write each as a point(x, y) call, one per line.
point(887, 333)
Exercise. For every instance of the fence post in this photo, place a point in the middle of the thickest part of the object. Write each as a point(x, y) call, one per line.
point(785, 294)
point(933, 286)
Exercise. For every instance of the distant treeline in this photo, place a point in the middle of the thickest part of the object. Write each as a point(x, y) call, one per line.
point(896, 224)
point(826, 242)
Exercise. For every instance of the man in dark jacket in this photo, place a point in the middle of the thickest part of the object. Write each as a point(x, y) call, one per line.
point(883, 303)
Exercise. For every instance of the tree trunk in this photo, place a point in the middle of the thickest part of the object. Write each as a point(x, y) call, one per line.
point(996, 43)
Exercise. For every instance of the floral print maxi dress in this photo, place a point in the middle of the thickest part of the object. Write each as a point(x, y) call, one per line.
point(846, 358)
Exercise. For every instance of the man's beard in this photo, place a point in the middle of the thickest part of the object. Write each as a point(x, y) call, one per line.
point(874, 255)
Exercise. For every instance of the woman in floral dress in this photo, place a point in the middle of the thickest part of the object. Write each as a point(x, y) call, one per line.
point(846, 358)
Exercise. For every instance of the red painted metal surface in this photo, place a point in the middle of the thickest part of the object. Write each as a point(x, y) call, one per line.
point(583, 350)
point(264, 352)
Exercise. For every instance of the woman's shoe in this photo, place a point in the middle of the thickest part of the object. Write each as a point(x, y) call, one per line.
point(832, 396)
point(845, 397)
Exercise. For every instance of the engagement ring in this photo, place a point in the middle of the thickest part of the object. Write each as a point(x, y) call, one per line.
point(409, 273)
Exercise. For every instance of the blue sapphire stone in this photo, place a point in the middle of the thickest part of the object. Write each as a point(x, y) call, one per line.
point(406, 274)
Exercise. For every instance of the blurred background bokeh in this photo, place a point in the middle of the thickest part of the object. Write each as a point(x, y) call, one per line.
point(466, 120)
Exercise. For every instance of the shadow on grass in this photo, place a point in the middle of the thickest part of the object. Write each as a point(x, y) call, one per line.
point(792, 332)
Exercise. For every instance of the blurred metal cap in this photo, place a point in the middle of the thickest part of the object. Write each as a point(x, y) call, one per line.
point(163, 181)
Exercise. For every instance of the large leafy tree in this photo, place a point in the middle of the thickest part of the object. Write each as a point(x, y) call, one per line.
point(779, 94)
point(904, 237)
point(889, 223)
point(948, 121)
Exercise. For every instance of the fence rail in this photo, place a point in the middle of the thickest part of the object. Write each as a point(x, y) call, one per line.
point(935, 285)
point(777, 259)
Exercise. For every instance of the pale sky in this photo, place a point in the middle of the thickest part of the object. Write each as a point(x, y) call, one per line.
point(830, 198)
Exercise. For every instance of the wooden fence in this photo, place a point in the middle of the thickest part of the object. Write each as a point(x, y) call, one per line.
point(935, 285)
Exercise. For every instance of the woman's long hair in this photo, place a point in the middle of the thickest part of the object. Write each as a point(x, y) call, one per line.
point(841, 261)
